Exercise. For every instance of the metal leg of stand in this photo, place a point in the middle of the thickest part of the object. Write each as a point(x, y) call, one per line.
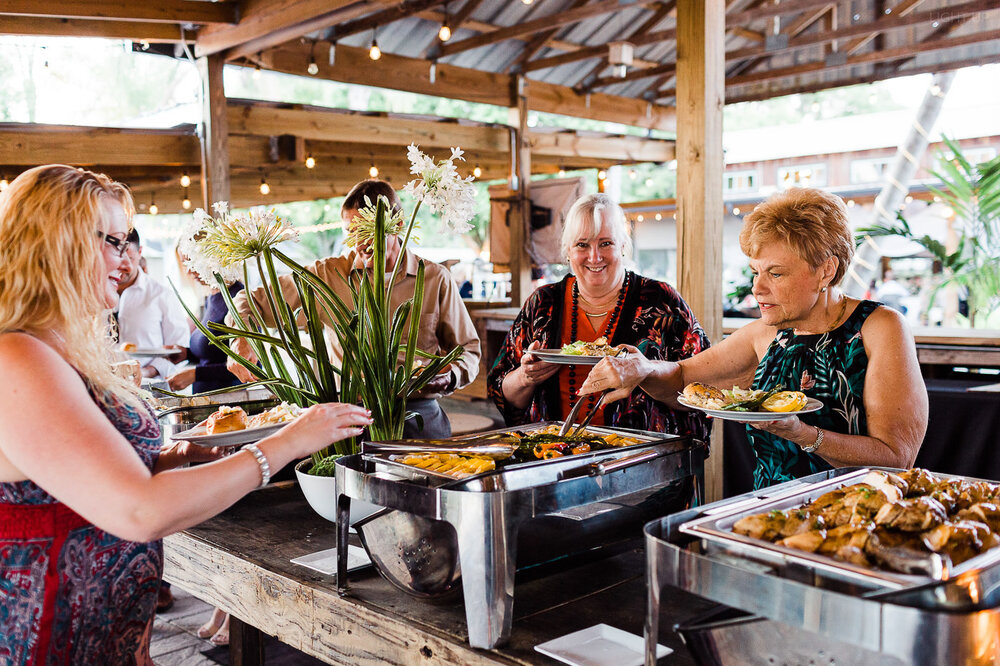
point(343, 525)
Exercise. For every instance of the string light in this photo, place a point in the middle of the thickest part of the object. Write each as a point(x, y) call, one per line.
point(153, 208)
point(185, 180)
point(264, 187)
point(444, 34)
point(658, 217)
point(310, 161)
point(186, 203)
point(736, 210)
point(602, 174)
point(373, 171)
point(477, 172)
point(562, 173)
point(374, 52)
point(312, 68)
point(4, 184)
point(256, 73)
point(527, 2)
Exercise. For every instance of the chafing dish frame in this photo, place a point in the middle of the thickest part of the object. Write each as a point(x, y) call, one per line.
point(919, 625)
point(486, 519)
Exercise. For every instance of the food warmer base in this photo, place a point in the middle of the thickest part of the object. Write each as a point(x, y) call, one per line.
point(488, 514)
point(786, 610)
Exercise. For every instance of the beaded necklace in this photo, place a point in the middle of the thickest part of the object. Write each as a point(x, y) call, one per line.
point(607, 332)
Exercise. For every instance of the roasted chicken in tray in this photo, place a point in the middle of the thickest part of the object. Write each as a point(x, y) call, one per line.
point(911, 522)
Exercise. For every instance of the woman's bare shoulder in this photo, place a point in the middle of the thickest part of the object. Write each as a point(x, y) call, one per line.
point(27, 359)
point(885, 324)
point(755, 335)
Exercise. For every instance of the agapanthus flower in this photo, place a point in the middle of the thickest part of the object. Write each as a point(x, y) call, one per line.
point(441, 188)
point(221, 244)
point(361, 230)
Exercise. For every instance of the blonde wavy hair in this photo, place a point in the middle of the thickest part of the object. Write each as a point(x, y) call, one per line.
point(52, 269)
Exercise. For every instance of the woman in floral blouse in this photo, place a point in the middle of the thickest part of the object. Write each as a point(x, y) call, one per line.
point(599, 299)
point(857, 357)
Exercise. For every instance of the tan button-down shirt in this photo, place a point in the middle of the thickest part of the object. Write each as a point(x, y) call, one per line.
point(444, 319)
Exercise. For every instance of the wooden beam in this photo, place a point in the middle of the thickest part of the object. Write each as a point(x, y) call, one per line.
point(624, 149)
point(379, 19)
point(700, 67)
point(538, 42)
point(267, 23)
point(215, 184)
point(660, 13)
point(902, 9)
point(532, 27)
point(520, 211)
point(352, 65)
point(19, 144)
point(163, 33)
point(161, 11)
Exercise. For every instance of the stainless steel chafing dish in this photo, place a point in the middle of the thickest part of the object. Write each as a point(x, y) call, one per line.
point(488, 515)
point(800, 607)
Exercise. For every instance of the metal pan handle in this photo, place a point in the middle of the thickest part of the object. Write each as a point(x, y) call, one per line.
point(606, 467)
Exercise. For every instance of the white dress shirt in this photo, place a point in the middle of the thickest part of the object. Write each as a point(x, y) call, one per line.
point(149, 316)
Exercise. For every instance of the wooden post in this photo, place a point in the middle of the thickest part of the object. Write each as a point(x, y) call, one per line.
point(700, 96)
point(215, 184)
point(520, 186)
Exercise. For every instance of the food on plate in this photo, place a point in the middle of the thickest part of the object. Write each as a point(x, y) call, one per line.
point(282, 413)
point(226, 419)
point(737, 399)
point(598, 347)
point(912, 522)
point(451, 464)
point(129, 346)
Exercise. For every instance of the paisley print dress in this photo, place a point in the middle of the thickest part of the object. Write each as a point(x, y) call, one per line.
point(830, 367)
point(70, 593)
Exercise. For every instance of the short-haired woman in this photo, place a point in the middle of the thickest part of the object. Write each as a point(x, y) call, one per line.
point(85, 490)
point(600, 298)
point(857, 357)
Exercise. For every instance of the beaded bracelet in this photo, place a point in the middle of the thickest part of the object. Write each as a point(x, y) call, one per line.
point(265, 466)
point(815, 445)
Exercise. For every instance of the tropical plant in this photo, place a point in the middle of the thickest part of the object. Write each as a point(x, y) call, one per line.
point(973, 193)
point(377, 369)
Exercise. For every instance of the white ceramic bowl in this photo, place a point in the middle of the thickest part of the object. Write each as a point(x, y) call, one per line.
point(321, 493)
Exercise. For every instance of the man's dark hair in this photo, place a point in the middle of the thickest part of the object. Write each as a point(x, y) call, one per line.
point(133, 237)
point(371, 188)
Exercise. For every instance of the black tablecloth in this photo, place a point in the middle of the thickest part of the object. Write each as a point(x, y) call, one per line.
point(963, 437)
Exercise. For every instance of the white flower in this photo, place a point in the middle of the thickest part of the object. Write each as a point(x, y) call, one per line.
point(220, 245)
point(442, 189)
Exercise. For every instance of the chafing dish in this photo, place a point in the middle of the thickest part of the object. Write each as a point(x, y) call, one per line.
point(482, 519)
point(799, 607)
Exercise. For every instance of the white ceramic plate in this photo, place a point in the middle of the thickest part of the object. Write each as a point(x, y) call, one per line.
point(556, 356)
point(600, 645)
point(159, 352)
point(197, 435)
point(812, 405)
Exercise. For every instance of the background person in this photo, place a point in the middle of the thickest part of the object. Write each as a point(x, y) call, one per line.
point(86, 492)
point(444, 320)
point(599, 298)
point(857, 357)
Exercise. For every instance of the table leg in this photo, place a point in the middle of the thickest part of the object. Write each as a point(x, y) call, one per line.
point(246, 644)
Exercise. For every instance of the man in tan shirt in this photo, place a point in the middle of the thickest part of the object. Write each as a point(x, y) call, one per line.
point(444, 320)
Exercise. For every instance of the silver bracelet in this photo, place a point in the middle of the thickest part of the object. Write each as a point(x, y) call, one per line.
point(815, 445)
point(265, 466)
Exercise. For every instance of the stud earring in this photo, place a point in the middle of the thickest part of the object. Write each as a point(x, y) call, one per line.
point(823, 290)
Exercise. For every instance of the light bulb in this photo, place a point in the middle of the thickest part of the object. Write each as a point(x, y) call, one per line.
point(373, 171)
point(185, 180)
point(313, 68)
point(310, 162)
point(527, 2)
point(477, 172)
point(639, 218)
point(658, 217)
point(444, 34)
point(256, 73)
point(153, 209)
point(4, 184)
point(622, 71)
point(736, 210)
point(264, 187)
point(633, 174)
point(602, 174)
point(562, 173)
point(374, 52)
point(186, 204)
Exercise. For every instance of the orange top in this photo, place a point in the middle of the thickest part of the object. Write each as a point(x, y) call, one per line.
point(588, 330)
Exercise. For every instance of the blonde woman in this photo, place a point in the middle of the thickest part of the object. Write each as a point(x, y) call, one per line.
point(857, 357)
point(85, 490)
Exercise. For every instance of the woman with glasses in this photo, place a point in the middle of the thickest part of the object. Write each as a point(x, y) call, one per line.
point(86, 492)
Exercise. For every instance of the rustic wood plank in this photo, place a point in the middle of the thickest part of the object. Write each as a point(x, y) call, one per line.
point(164, 33)
point(161, 11)
point(520, 210)
point(701, 91)
point(215, 184)
point(83, 147)
point(625, 149)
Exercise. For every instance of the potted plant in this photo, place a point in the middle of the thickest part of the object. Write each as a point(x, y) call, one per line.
point(377, 370)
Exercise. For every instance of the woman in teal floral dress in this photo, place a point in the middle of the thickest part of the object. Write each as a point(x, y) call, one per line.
point(856, 357)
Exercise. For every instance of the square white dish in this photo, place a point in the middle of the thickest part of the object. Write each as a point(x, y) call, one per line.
point(600, 645)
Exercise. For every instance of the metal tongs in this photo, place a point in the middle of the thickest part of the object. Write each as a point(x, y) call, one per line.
point(568, 423)
point(498, 446)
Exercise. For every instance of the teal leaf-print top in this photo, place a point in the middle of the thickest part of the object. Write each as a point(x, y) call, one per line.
point(830, 367)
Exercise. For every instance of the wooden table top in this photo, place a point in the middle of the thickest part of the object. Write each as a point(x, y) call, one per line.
point(239, 561)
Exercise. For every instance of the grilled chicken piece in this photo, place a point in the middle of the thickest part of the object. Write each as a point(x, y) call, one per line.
point(844, 536)
point(960, 540)
point(983, 512)
point(777, 524)
point(912, 515)
point(919, 481)
point(974, 493)
point(892, 485)
point(865, 501)
point(904, 552)
point(808, 541)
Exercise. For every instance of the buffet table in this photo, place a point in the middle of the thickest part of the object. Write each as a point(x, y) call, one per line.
point(239, 561)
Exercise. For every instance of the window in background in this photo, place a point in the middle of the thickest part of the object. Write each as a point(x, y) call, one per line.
point(802, 175)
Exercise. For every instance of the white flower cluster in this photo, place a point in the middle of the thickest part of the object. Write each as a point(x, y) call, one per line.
point(220, 245)
point(442, 189)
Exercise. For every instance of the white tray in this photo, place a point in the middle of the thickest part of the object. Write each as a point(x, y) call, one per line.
point(600, 645)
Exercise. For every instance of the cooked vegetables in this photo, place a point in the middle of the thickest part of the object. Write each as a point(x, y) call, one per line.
point(452, 464)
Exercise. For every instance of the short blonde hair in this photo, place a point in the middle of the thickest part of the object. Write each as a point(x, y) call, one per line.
point(52, 271)
point(812, 222)
point(585, 217)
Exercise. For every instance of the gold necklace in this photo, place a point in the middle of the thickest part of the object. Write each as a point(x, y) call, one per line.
point(843, 309)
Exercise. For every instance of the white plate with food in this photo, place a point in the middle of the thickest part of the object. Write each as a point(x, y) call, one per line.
point(579, 352)
point(230, 426)
point(600, 645)
point(747, 405)
point(159, 352)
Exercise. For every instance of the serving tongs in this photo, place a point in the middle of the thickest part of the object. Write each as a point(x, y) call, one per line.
point(568, 423)
point(498, 446)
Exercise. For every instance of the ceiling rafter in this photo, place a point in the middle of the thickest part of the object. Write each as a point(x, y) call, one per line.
point(538, 42)
point(659, 14)
point(455, 21)
point(381, 18)
point(902, 9)
point(161, 11)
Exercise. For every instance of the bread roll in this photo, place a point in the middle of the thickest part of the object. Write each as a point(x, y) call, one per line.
point(704, 396)
point(227, 419)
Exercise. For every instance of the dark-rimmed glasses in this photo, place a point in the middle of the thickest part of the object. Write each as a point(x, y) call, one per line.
point(120, 245)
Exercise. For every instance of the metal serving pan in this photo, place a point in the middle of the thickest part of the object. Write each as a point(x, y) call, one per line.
point(716, 528)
